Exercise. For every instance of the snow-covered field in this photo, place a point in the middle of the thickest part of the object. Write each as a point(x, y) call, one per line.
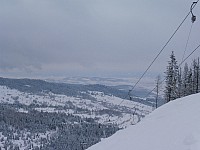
point(127, 113)
point(174, 126)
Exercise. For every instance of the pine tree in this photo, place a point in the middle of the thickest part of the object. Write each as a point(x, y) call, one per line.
point(190, 83)
point(171, 89)
point(198, 75)
point(185, 79)
point(195, 66)
point(180, 84)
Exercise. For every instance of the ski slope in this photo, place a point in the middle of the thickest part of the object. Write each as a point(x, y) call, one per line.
point(174, 126)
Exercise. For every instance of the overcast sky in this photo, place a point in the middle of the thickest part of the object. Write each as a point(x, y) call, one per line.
point(104, 38)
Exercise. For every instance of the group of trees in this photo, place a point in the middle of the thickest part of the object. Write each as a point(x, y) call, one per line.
point(48, 131)
point(181, 82)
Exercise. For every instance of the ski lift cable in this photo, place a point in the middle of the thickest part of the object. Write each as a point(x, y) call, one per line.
point(133, 87)
point(193, 19)
point(183, 60)
point(187, 41)
point(178, 66)
point(192, 7)
point(165, 78)
point(189, 55)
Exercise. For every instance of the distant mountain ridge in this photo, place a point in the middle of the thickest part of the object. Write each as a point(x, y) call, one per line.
point(36, 86)
point(147, 82)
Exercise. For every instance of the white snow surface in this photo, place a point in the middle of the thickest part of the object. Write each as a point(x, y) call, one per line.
point(173, 126)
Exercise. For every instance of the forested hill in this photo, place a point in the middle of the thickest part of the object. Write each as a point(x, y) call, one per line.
point(40, 115)
point(48, 131)
point(37, 86)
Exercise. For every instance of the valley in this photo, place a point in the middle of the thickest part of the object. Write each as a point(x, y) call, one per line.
point(67, 106)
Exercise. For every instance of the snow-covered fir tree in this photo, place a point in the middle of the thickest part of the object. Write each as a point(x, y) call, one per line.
point(171, 90)
point(185, 80)
point(195, 66)
point(180, 84)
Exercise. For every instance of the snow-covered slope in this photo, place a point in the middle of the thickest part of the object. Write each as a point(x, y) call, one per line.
point(174, 126)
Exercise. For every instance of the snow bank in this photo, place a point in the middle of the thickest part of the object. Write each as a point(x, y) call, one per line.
point(174, 126)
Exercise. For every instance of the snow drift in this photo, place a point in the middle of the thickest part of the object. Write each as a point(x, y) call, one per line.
point(174, 126)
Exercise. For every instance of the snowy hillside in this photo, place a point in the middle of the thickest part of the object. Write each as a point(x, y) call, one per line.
point(35, 114)
point(124, 84)
point(103, 108)
point(92, 101)
point(174, 126)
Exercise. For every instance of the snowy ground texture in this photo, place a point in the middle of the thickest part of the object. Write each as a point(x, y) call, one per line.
point(174, 126)
point(48, 102)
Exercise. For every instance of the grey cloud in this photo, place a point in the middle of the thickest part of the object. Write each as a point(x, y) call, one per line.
point(86, 36)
